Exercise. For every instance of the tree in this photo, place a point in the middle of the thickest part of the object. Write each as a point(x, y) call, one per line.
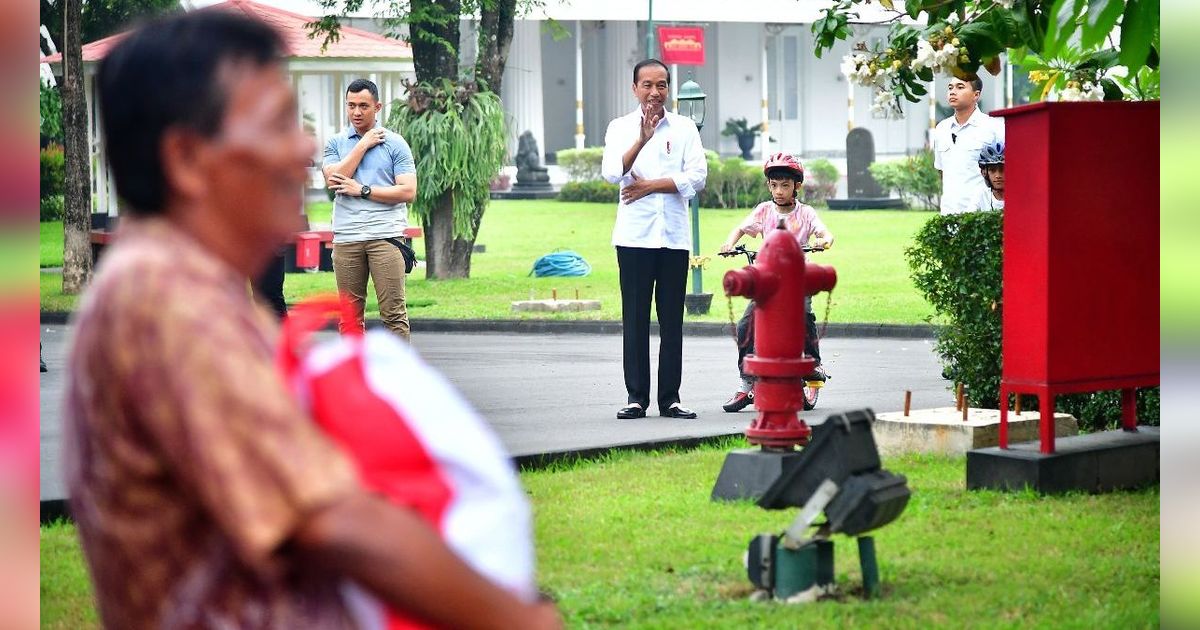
point(1076, 49)
point(102, 18)
point(453, 122)
point(77, 248)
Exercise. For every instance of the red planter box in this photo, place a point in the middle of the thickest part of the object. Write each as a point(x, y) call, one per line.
point(1081, 270)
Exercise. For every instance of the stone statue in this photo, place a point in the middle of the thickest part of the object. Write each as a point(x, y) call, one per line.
point(530, 172)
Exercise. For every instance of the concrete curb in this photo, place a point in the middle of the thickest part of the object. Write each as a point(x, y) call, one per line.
point(608, 327)
point(59, 509)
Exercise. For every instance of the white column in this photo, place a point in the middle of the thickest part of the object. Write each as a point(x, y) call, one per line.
point(1008, 82)
point(932, 105)
point(849, 105)
point(764, 136)
point(675, 88)
point(624, 51)
point(522, 89)
point(579, 135)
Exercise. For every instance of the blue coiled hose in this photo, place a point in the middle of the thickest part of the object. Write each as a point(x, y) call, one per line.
point(560, 263)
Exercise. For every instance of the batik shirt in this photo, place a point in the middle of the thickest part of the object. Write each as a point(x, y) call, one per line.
point(189, 465)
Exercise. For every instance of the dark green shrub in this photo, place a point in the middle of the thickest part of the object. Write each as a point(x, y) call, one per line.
point(914, 178)
point(51, 208)
point(53, 171)
point(732, 183)
point(956, 264)
point(50, 109)
point(597, 190)
point(581, 165)
point(820, 181)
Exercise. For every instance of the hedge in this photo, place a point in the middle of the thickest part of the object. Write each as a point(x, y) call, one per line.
point(956, 263)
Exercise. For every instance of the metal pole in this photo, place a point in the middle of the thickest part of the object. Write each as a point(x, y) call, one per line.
point(650, 32)
point(697, 280)
point(579, 136)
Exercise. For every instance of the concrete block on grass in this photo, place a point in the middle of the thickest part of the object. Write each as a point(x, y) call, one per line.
point(942, 430)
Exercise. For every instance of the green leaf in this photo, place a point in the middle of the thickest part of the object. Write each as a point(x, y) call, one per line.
point(1099, 21)
point(1063, 25)
point(1138, 28)
point(1112, 92)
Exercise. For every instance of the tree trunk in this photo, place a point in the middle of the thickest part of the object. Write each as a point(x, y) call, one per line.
point(445, 256)
point(434, 36)
point(77, 215)
point(495, 38)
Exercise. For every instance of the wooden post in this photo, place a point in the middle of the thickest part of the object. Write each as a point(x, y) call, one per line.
point(1018, 408)
point(554, 294)
point(907, 401)
point(965, 406)
point(958, 397)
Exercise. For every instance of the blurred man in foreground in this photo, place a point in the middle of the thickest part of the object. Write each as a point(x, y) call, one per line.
point(203, 494)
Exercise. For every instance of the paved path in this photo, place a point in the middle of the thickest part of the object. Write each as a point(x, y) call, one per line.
point(560, 392)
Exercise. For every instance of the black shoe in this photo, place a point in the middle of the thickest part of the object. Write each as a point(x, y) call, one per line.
point(818, 374)
point(677, 411)
point(42, 365)
point(740, 401)
point(631, 411)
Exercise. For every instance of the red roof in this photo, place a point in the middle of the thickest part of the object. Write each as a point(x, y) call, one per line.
point(354, 42)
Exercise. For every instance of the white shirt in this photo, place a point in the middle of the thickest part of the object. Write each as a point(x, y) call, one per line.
point(956, 154)
point(987, 201)
point(658, 219)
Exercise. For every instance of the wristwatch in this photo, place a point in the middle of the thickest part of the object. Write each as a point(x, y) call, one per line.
point(366, 192)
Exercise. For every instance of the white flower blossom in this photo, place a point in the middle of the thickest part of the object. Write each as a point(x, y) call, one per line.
point(945, 58)
point(885, 106)
point(857, 69)
point(925, 56)
point(1070, 93)
point(1092, 92)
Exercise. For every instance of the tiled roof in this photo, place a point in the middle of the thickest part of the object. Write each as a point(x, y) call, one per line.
point(354, 42)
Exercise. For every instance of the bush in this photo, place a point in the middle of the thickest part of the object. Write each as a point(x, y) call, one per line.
point(50, 106)
point(914, 178)
point(596, 190)
point(732, 184)
point(53, 171)
point(956, 264)
point(820, 181)
point(581, 165)
point(51, 208)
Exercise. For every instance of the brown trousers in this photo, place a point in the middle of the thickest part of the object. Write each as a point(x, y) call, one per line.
point(353, 262)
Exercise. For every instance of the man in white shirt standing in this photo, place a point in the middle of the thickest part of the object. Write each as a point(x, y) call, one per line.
point(657, 158)
point(957, 141)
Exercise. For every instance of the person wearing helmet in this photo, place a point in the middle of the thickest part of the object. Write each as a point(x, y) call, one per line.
point(784, 175)
point(991, 167)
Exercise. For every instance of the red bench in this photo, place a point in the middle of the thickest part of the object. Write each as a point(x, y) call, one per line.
point(311, 247)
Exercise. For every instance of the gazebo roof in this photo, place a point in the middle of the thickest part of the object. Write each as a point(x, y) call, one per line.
point(354, 43)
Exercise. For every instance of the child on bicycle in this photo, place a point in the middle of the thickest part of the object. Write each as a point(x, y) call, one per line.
point(784, 176)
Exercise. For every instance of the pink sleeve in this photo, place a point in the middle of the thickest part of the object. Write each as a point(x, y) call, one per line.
point(752, 226)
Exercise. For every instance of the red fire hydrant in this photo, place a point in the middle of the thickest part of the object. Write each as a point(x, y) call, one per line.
point(778, 282)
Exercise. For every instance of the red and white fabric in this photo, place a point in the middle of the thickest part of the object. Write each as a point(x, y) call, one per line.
point(417, 442)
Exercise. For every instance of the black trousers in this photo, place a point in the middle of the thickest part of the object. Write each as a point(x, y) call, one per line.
point(268, 286)
point(661, 275)
point(745, 335)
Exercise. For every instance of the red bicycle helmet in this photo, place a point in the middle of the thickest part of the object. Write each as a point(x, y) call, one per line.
point(784, 161)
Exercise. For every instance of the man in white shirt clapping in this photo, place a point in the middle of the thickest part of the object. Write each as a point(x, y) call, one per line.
point(657, 158)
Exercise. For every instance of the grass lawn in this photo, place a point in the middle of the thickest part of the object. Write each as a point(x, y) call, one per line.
point(632, 540)
point(874, 284)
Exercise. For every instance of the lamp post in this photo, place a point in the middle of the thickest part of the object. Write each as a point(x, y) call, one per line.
point(691, 104)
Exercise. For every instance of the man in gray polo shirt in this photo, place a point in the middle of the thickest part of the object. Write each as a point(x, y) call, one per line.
point(372, 171)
